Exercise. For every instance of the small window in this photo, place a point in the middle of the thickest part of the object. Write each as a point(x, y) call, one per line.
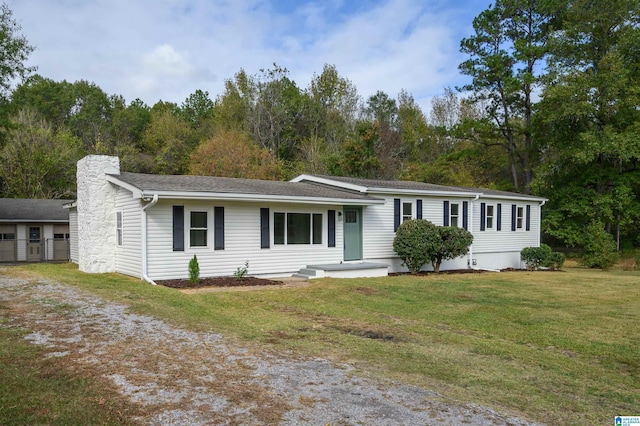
point(58, 236)
point(520, 217)
point(454, 216)
point(407, 211)
point(489, 219)
point(198, 229)
point(351, 216)
point(118, 228)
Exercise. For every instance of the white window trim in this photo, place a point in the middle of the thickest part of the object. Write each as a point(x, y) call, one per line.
point(120, 229)
point(487, 216)
point(209, 228)
point(458, 216)
point(404, 216)
point(323, 221)
point(520, 219)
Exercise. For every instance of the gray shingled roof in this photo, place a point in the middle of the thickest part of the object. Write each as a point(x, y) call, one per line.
point(212, 184)
point(393, 184)
point(32, 210)
point(420, 186)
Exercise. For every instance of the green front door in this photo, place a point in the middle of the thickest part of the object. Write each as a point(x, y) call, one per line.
point(352, 233)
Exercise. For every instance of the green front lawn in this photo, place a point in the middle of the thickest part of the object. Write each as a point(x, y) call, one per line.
point(556, 347)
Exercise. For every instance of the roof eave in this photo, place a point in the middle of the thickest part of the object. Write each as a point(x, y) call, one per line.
point(223, 196)
point(137, 192)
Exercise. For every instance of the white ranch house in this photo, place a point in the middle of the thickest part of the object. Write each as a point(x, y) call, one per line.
point(150, 226)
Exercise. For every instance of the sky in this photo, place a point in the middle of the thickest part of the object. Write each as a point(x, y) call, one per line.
point(167, 49)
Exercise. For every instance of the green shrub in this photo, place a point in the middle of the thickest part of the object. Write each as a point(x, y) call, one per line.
point(419, 242)
point(241, 272)
point(599, 248)
point(194, 270)
point(415, 241)
point(555, 261)
point(454, 242)
point(543, 256)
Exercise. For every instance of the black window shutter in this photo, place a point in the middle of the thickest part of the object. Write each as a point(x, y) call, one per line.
point(465, 214)
point(418, 209)
point(483, 216)
point(331, 227)
point(528, 223)
point(446, 214)
point(513, 217)
point(499, 218)
point(178, 228)
point(218, 234)
point(396, 214)
point(264, 227)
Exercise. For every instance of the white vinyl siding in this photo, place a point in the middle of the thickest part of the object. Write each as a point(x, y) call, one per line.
point(494, 241)
point(129, 254)
point(242, 241)
point(73, 234)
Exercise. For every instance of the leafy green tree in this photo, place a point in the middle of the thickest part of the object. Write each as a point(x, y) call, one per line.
point(38, 161)
point(168, 141)
point(15, 50)
point(590, 121)
point(230, 153)
point(505, 53)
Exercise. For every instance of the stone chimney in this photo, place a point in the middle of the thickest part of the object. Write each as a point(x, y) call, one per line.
point(96, 213)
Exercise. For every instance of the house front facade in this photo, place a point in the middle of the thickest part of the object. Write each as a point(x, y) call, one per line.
point(150, 226)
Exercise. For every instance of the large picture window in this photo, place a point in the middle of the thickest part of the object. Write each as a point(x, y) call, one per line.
point(198, 229)
point(297, 228)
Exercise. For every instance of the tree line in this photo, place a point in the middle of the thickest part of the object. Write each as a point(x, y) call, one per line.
point(552, 109)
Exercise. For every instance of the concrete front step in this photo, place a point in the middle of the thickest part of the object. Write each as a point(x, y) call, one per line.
point(344, 270)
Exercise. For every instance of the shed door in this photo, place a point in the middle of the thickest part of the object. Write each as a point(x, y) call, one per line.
point(34, 244)
point(61, 242)
point(8, 243)
point(352, 233)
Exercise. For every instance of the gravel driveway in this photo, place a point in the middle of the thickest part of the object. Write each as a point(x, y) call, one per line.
point(183, 377)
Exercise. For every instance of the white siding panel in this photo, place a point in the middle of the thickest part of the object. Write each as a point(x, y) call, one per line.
point(129, 255)
point(73, 234)
point(242, 242)
point(505, 240)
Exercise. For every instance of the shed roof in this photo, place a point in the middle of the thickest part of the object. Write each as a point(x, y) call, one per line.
point(33, 210)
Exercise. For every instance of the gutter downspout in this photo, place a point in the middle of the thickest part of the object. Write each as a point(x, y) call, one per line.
point(144, 239)
point(540, 221)
point(470, 258)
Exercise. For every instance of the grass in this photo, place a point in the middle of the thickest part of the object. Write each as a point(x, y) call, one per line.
point(555, 347)
point(35, 390)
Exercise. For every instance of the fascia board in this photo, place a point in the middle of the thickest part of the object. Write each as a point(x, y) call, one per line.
point(331, 182)
point(259, 198)
point(514, 198)
point(391, 191)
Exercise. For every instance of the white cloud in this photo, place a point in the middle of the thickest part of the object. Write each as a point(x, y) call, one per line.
point(167, 49)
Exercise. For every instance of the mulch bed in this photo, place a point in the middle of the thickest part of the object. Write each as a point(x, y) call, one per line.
point(219, 282)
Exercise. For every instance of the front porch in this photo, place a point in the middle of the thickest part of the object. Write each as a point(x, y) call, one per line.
point(344, 270)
